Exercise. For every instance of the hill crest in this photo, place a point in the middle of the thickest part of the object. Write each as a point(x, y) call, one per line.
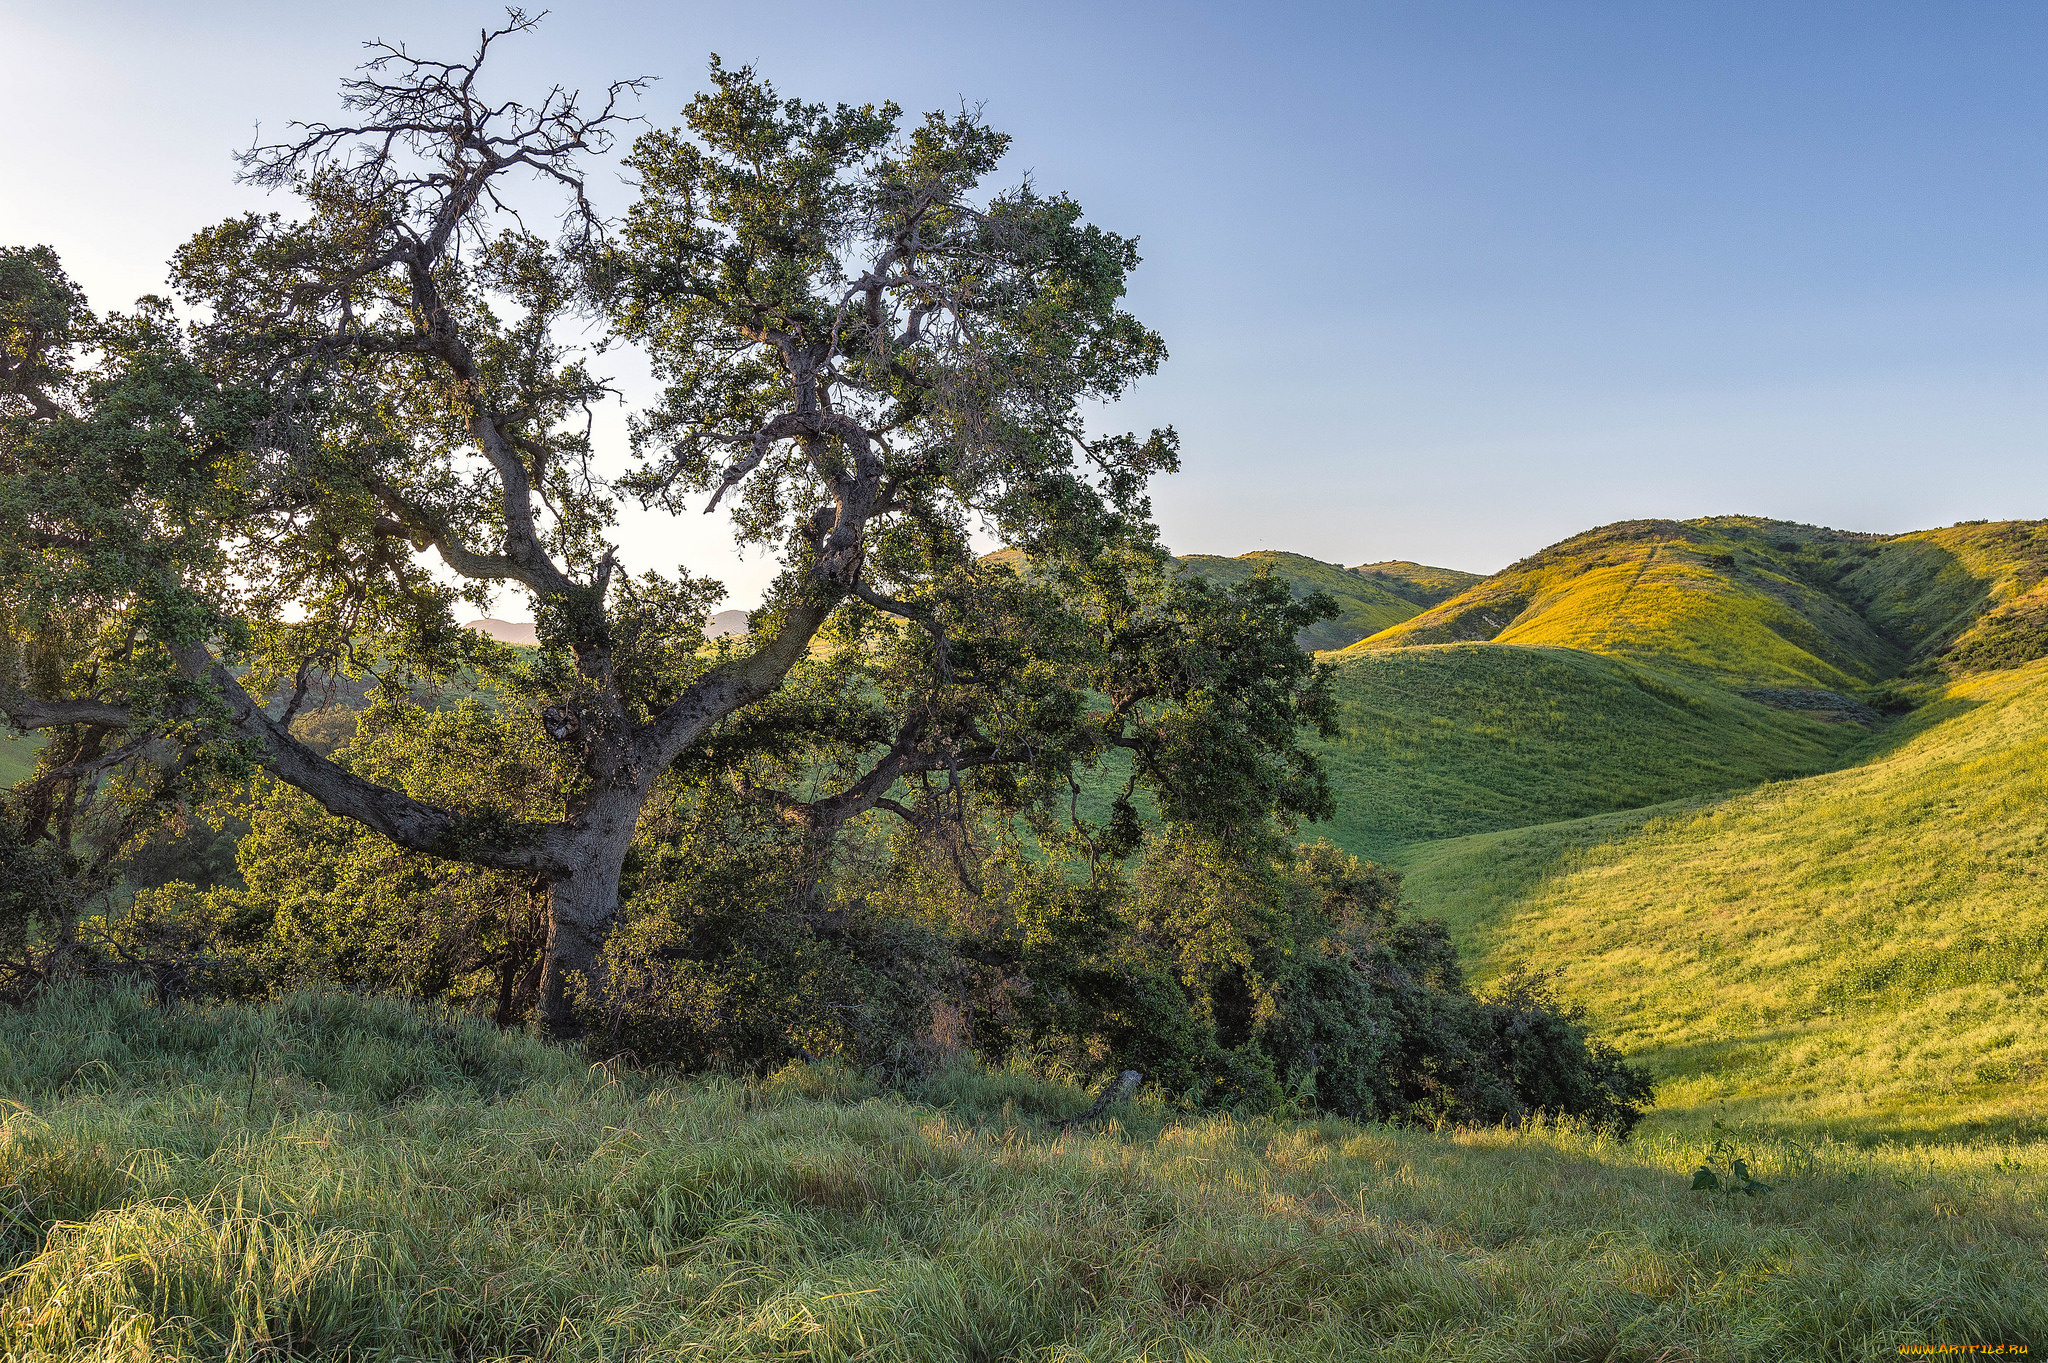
point(1752, 600)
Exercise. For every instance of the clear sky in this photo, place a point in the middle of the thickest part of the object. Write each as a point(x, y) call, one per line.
point(1444, 281)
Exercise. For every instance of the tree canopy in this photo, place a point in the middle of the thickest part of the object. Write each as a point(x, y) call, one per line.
point(374, 409)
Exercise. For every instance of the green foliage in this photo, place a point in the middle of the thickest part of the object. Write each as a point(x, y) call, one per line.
point(325, 900)
point(736, 951)
point(1256, 982)
point(1733, 1175)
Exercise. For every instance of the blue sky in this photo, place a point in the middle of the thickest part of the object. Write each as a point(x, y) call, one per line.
point(1441, 281)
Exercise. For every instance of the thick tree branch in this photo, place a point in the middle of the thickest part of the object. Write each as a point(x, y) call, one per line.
point(26, 712)
point(412, 824)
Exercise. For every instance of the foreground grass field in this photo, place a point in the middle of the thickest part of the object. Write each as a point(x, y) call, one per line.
point(340, 1178)
point(1862, 952)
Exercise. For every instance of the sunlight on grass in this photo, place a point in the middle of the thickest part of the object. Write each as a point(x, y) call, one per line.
point(1862, 952)
point(519, 1205)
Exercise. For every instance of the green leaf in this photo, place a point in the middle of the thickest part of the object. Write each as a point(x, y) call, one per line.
point(1703, 1178)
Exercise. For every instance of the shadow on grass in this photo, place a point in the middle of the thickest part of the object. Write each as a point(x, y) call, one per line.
point(1476, 883)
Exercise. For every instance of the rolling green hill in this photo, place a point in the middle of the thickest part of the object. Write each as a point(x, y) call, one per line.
point(1969, 598)
point(1366, 604)
point(1864, 950)
point(1448, 739)
point(1604, 761)
point(1735, 599)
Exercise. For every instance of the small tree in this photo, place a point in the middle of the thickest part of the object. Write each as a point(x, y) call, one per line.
point(861, 351)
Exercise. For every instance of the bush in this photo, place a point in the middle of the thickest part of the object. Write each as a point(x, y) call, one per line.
point(1237, 974)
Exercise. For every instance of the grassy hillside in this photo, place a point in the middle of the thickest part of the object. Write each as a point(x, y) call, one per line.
point(1739, 600)
point(1861, 951)
point(1417, 582)
point(1971, 597)
point(345, 1178)
point(1364, 605)
point(1452, 739)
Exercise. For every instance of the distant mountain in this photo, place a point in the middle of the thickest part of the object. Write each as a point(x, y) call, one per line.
point(1417, 582)
point(521, 632)
point(1367, 602)
point(505, 631)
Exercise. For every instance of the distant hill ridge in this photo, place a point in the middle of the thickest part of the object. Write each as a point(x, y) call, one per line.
point(1369, 598)
point(521, 632)
point(1747, 599)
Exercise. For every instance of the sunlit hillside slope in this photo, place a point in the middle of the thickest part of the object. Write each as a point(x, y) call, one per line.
point(1733, 598)
point(1365, 605)
point(1968, 598)
point(1458, 738)
point(1862, 951)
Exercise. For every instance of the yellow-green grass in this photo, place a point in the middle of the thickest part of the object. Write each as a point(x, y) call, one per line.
point(1863, 953)
point(1451, 739)
point(1364, 607)
point(1730, 598)
point(235, 1183)
point(1976, 593)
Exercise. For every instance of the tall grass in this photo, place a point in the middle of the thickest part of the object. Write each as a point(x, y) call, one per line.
point(522, 1205)
point(1863, 952)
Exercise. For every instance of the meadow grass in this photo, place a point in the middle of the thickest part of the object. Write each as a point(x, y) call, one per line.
point(1862, 953)
point(240, 1183)
point(1451, 739)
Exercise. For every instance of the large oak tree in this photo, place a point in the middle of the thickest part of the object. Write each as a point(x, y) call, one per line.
point(865, 356)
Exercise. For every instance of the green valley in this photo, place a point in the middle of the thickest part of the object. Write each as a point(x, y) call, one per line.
point(612, 748)
point(1765, 797)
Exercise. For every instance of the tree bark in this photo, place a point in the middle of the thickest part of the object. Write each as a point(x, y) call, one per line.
point(583, 902)
point(581, 907)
